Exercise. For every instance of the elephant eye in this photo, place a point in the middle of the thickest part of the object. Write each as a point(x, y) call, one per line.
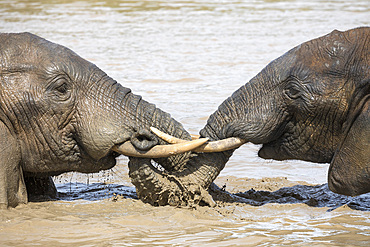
point(63, 88)
point(60, 89)
point(292, 92)
point(293, 87)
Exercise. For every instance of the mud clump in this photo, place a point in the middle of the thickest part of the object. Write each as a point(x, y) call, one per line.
point(257, 192)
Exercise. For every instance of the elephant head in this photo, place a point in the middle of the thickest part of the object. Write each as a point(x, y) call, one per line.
point(310, 104)
point(60, 113)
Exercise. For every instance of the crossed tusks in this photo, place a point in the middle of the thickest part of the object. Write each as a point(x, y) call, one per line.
point(178, 146)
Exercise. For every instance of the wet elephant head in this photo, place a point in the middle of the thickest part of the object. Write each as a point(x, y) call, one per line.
point(60, 113)
point(311, 104)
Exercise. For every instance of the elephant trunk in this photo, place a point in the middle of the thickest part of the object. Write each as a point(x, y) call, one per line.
point(178, 188)
point(242, 116)
point(152, 177)
point(183, 179)
point(148, 115)
point(188, 184)
point(116, 116)
point(253, 113)
point(127, 117)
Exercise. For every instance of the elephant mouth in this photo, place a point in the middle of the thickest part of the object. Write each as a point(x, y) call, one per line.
point(108, 161)
point(88, 164)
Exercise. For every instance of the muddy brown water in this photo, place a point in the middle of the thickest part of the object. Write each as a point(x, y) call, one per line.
point(187, 57)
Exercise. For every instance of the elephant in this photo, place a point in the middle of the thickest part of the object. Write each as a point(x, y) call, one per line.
point(312, 104)
point(61, 113)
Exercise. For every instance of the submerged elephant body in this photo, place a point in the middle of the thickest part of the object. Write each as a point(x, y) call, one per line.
point(60, 113)
point(311, 104)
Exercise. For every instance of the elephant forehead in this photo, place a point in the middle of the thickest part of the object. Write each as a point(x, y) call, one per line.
point(323, 57)
point(25, 51)
point(336, 52)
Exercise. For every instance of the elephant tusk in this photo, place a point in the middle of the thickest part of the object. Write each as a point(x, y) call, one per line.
point(159, 151)
point(210, 147)
point(166, 137)
point(194, 137)
point(220, 146)
point(171, 139)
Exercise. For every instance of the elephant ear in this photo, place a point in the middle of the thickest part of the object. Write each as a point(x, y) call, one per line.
point(349, 171)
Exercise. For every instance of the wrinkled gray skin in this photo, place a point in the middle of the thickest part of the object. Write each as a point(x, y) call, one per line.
point(312, 104)
point(60, 113)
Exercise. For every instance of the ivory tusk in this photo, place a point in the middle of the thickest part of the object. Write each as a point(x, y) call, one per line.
point(159, 151)
point(166, 137)
point(171, 139)
point(194, 137)
point(214, 146)
point(221, 145)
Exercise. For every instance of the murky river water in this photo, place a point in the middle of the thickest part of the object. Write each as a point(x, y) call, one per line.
point(187, 57)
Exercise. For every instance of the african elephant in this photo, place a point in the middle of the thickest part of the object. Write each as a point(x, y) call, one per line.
point(312, 104)
point(60, 113)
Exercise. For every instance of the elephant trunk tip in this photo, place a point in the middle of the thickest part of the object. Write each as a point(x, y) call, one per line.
point(158, 188)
